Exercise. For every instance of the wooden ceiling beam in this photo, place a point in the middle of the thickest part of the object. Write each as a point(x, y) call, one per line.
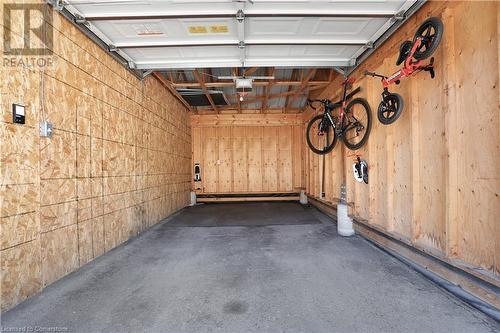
point(257, 83)
point(171, 78)
point(305, 81)
point(330, 75)
point(228, 109)
point(263, 105)
point(250, 71)
point(168, 85)
point(235, 72)
point(201, 81)
point(295, 92)
point(292, 77)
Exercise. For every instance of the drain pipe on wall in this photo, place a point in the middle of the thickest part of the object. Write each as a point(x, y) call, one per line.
point(344, 222)
point(303, 197)
point(454, 289)
point(193, 198)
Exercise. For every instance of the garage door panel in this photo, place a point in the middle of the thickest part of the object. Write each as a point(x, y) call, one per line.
point(168, 30)
point(309, 51)
point(313, 28)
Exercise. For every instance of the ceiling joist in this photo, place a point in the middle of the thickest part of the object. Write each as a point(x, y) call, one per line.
point(168, 85)
point(221, 84)
point(201, 81)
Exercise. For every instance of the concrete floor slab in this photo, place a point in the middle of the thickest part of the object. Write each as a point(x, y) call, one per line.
point(283, 278)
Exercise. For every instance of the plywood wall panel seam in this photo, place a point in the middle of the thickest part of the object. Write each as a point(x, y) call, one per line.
point(83, 50)
point(18, 214)
point(58, 228)
point(452, 127)
point(19, 244)
point(24, 125)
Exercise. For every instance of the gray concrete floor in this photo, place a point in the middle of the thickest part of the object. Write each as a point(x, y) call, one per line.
point(280, 278)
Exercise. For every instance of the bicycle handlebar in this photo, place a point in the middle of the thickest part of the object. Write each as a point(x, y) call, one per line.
point(367, 73)
point(327, 104)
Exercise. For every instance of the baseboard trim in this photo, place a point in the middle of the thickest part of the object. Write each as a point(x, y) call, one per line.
point(240, 197)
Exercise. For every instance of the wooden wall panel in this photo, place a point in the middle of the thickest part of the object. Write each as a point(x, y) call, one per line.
point(284, 162)
point(432, 178)
point(240, 160)
point(478, 103)
point(225, 165)
point(298, 158)
point(255, 162)
point(270, 159)
point(210, 157)
point(118, 162)
point(257, 156)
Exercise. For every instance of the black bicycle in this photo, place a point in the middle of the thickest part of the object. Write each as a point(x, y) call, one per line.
point(352, 125)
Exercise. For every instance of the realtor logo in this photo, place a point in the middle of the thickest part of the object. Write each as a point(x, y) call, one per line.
point(28, 29)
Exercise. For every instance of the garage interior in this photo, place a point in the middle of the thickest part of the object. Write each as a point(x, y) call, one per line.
point(174, 190)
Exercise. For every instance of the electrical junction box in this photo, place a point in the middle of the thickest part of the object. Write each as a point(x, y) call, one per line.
point(243, 84)
point(18, 114)
point(46, 129)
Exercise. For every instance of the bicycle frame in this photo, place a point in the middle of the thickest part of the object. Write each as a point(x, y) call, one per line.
point(343, 105)
point(408, 69)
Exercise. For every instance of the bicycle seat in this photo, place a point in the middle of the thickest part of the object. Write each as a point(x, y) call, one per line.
point(404, 50)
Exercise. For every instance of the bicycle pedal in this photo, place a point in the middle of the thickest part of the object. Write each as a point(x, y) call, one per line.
point(430, 69)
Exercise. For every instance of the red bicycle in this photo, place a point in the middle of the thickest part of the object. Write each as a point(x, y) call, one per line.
point(425, 42)
point(352, 124)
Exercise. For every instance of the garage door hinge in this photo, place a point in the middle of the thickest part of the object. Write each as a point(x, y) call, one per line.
point(399, 16)
point(79, 19)
point(57, 4)
point(240, 16)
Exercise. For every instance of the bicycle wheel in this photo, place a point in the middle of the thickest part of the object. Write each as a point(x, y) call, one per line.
point(320, 135)
point(390, 108)
point(359, 123)
point(431, 32)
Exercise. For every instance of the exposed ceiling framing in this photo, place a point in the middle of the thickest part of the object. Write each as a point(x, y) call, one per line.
point(285, 93)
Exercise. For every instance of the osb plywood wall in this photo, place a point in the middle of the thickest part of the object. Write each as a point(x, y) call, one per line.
point(118, 162)
point(433, 175)
point(248, 153)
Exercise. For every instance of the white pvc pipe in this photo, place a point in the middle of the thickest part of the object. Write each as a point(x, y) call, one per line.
point(344, 222)
point(303, 197)
point(193, 198)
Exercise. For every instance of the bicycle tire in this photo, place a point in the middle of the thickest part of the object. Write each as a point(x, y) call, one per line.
point(364, 103)
point(325, 150)
point(438, 27)
point(396, 108)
